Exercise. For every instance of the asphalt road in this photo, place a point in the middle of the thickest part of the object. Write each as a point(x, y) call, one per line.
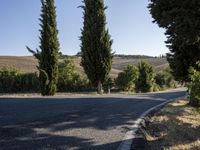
point(73, 123)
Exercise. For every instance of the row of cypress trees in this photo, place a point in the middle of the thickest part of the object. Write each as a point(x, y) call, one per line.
point(95, 45)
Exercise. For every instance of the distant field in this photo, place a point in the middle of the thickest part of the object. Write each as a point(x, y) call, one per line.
point(23, 63)
point(28, 63)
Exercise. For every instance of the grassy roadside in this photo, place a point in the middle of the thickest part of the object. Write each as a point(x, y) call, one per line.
point(175, 127)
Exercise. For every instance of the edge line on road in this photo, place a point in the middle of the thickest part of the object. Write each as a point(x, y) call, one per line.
point(131, 134)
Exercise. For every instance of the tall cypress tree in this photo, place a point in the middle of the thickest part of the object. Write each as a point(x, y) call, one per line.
point(49, 46)
point(96, 43)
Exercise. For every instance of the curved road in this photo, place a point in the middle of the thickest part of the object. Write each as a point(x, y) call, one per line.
point(73, 123)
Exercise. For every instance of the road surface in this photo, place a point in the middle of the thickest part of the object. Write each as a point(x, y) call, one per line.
point(73, 123)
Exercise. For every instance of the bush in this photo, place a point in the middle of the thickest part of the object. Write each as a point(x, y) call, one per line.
point(160, 79)
point(28, 82)
point(126, 80)
point(7, 79)
point(11, 80)
point(146, 79)
point(69, 80)
point(108, 84)
point(194, 87)
point(165, 79)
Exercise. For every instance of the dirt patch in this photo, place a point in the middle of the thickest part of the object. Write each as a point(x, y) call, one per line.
point(175, 127)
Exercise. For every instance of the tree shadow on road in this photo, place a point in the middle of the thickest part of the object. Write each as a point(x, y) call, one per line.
point(62, 130)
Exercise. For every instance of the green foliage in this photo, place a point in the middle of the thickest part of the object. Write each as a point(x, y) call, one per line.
point(69, 80)
point(66, 69)
point(160, 79)
point(12, 81)
point(108, 84)
point(126, 80)
point(49, 45)
point(7, 79)
point(194, 86)
point(165, 79)
point(146, 79)
point(27, 82)
point(96, 43)
point(181, 20)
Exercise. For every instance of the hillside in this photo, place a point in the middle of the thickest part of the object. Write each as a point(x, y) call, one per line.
point(23, 63)
point(28, 63)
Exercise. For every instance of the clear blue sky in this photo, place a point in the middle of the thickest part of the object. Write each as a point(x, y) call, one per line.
point(129, 23)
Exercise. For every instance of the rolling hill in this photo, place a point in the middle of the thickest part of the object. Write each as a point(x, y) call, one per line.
point(28, 63)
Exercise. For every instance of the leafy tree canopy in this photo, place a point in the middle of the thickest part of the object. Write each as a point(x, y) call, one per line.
point(181, 20)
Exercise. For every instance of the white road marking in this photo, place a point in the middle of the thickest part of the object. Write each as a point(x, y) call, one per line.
point(130, 135)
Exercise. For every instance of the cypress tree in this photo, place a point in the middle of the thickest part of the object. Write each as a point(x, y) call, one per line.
point(49, 46)
point(95, 43)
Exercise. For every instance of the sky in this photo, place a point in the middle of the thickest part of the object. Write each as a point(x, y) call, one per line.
point(128, 21)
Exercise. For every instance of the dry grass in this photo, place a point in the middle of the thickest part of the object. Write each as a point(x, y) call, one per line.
point(175, 127)
point(119, 63)
point(28, 63)
point(24, 64)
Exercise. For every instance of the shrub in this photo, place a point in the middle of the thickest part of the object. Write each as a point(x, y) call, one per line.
point(155, 88)
point(108, 84)
point(160, 79)
point(126, 80)
point(28, 82)
point(7, 79)
point(11, 80)
point(69, 80)
point(194, 87)
point(165, 79)
point(146, 79)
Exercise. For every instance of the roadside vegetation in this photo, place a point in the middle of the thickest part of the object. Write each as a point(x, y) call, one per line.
point(14, 81)
point(181, 22)
point(56, 73)
point(143, 78)
point(194, 86)
point(131, 79)
point(175, 127)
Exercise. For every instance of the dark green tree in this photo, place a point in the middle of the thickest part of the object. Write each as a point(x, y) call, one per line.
point(95, 43)
point(49, 46)
point(181, 20)
point(146, 79)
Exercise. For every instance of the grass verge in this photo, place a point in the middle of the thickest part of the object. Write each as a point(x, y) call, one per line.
point(175, 127)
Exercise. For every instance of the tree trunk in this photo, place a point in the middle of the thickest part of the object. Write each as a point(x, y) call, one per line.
point(108, 89)
point(100, 89)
